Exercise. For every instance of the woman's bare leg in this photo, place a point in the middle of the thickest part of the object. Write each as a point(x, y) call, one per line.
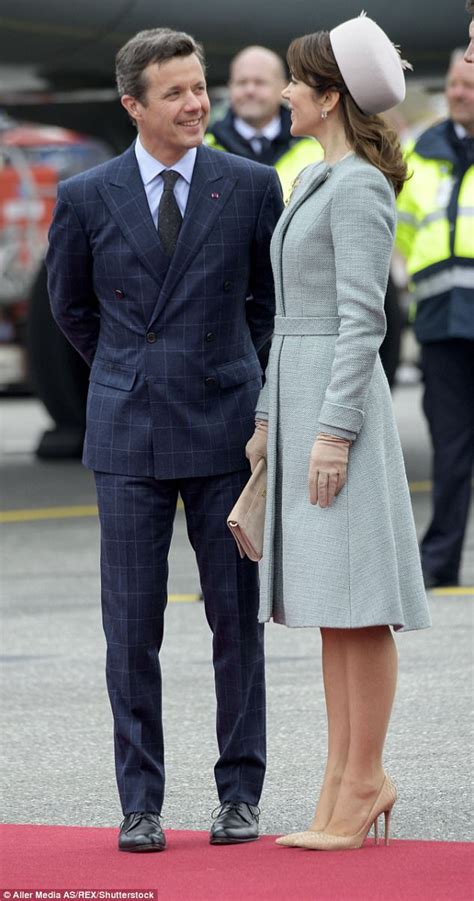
point(337, 708)
point(370, 666)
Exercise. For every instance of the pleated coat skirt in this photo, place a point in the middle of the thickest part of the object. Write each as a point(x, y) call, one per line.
point(356, 563)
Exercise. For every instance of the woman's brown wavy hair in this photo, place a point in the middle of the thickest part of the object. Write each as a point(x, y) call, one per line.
point(312, 61)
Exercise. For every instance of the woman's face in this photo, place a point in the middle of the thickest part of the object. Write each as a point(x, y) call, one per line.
point(305, 108)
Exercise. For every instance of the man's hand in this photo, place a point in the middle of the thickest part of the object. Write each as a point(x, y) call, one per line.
point(327, 468)
point(256, 447)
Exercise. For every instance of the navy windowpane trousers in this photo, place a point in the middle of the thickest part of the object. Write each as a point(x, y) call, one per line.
point(136, 517)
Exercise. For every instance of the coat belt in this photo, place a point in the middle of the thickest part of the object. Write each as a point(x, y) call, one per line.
point(306, 325)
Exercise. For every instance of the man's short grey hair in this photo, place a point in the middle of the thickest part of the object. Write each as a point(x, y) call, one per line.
point(155, 45)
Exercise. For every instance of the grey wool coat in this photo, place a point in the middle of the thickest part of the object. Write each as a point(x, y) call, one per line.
point(355, 563)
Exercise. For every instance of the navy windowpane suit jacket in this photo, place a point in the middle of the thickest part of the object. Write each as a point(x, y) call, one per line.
point(173, 346)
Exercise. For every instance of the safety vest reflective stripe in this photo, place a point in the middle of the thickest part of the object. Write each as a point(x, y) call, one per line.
point(430, 242)
point(467, 211)
point(442, 282)
point(406, 217)
point(429, 245)
point(440, 214)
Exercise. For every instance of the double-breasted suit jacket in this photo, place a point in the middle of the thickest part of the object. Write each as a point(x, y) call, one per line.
point(173, 346)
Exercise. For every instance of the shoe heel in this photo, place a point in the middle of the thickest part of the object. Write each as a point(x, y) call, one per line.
point(387, 814)
point(376, 831)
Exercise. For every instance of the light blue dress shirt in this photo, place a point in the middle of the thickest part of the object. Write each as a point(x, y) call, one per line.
point(150, 171)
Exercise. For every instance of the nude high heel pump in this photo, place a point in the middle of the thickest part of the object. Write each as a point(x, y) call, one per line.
point(293, 839)
point(323, 841)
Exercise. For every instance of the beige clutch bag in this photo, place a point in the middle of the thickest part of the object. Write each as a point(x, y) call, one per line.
point(247, 518)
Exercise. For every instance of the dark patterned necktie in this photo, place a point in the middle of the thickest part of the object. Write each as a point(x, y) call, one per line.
point(169, 216)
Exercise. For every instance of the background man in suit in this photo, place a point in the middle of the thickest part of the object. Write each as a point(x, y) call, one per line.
point(257, 123)
point(159, 274)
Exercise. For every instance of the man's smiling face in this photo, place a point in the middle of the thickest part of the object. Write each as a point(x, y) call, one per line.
point(174, 112)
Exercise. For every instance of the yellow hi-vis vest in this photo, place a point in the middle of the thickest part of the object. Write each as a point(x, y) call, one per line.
point(435, 234)
point(289, 165)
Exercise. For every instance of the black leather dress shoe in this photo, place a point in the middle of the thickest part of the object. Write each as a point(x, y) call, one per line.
point(141, 832)
point(236, 822)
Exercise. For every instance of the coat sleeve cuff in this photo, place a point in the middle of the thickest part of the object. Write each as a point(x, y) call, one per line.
point(261, 410)
point(336, 416)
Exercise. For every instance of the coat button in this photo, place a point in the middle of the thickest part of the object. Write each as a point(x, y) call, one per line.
point(228, 286)
point(210, 380)
point(119, 293)
point(151, 337)
point(210, 336)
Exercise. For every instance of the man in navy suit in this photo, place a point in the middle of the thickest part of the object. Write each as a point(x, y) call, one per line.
point(163, 283)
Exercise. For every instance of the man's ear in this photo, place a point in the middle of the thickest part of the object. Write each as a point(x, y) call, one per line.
point(132, 105)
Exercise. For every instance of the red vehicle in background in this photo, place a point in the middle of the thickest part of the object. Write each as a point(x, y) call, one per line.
point(33, 353)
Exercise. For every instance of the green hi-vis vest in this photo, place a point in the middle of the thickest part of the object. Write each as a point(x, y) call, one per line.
point(424, 234)
point(290, 164)
point(435, 234)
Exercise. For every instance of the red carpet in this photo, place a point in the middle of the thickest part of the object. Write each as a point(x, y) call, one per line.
point(73, 858)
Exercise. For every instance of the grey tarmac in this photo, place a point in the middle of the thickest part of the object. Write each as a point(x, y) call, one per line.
point(56, 724)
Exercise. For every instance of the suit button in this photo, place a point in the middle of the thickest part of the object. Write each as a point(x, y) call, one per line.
point(210, 336)
point(210, 381)
point(119, 293)
point(151, 337)
point(228, 286)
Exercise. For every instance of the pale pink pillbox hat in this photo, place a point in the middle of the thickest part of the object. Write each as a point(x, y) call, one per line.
point(369, 64)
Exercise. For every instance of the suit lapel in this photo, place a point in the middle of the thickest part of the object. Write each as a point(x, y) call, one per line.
point(125, 197)
point(209, 192)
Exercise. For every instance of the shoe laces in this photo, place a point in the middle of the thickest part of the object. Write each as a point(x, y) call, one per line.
point(136, 816)
point(235, 805)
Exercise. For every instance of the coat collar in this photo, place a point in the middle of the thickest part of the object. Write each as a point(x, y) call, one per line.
point(315, 176)
point(305, 184)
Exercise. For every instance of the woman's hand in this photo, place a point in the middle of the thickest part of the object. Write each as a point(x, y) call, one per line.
point(327, 468)
point(256, 448)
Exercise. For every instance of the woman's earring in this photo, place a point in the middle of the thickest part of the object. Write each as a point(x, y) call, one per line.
point(324, 114)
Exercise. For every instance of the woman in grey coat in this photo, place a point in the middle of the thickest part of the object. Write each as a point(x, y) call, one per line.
point(340, 549)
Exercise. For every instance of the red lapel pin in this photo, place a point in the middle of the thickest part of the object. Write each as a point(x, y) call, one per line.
point(215, 195)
